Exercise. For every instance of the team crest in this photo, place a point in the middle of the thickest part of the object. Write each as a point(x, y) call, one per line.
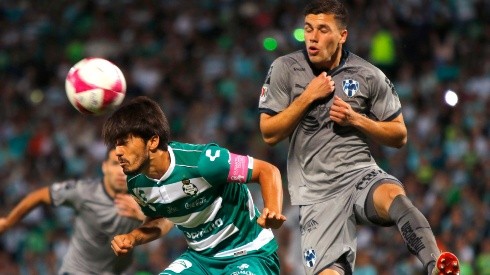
point(310, 257)
point(189, 188)
point(350, 87)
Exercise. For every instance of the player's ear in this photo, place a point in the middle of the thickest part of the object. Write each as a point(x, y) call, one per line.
point(343, 36)
point(103, 166)
point(153, 142)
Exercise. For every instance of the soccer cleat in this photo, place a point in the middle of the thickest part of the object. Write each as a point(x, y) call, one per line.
point(447, 264)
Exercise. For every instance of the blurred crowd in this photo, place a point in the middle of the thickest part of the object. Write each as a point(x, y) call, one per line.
point(205, 62)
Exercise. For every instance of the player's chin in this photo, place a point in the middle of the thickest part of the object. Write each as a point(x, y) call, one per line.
point(316, 60)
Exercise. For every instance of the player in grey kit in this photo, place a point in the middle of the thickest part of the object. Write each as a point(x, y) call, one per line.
point(328, 102)
point(104, 209)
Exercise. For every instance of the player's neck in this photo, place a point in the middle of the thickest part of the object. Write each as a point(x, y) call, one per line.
point(110, 191)
point(159, 164)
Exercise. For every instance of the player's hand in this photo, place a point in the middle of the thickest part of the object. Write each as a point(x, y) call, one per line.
point(128, 207)
point(271, 219)
point(122, 244)
point(341, 112)
point(320, 87)
point(3, 225)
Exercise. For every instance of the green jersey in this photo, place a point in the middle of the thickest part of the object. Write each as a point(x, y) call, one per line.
point(202, 193)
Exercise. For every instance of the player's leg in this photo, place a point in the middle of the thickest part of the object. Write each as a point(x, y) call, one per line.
point(340, 267)
point(413, 226)
point(386, 204)
point(255, 265)
point(328, 234)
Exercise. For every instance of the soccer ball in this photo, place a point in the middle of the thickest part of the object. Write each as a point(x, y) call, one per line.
point(95, 86)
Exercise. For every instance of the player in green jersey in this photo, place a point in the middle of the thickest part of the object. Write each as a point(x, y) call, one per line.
point(198, 188)
point(327, 102)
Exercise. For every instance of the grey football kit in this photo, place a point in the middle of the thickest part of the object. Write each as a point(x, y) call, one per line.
point(96, 223)
point(203, 195)
point(330, 168)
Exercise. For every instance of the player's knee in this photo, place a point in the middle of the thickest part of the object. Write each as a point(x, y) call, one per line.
point(383, 197)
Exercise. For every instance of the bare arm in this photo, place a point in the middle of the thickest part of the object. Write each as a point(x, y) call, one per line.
point(390, 133)
point(32, 200)
point(278, 127)
point(269, 178)
point(151, 229)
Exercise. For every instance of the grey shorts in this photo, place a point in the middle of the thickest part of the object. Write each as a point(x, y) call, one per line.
point(328, 228)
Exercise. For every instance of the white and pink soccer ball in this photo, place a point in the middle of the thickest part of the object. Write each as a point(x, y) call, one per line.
point(95, 86)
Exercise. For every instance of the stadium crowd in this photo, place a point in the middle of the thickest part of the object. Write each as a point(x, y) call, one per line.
point(205, 61)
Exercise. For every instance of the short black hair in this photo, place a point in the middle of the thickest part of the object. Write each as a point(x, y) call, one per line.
point(141, 117)
point(335, 7)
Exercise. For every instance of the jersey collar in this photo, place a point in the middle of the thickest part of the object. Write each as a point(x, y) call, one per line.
point(343, 59)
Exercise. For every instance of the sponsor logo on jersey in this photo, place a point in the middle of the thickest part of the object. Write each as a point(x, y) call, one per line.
point(198, 202)
point(309, 255)
point(368, 178)
point(263, 93)
point(268, 77)
point(189, 188)
point(205, 230)
point(350, 87)
point(243, 266)
point(172, 209)
point(240, 253)
point(309, 226)
point(296, 85)
point(243, 270)
point(392, 87)
point(310, 124)
point(67, 185)
point(179, 265)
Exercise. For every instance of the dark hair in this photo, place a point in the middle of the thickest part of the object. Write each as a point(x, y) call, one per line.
point(141, 117)
point(334, 7)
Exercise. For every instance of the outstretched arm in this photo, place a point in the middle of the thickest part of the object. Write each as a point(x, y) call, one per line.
point(269, 178)
point(151, 229)
point(24, 207)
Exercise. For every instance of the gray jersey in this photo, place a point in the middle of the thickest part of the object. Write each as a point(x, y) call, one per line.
point(96, 223)
point(321, 153)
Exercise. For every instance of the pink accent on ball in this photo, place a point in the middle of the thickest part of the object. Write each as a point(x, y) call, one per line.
point(78, 84)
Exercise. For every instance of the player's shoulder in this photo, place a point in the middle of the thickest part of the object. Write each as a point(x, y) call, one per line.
point(191, 147)
point(195, 154)
point(354, 60)
point(90, 186)
point(287, 60)
point(80, 184)
point(76, 191)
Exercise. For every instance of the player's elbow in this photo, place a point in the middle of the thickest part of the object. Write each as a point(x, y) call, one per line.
point(401, 140)
point(401, 143)
point(270, 140)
